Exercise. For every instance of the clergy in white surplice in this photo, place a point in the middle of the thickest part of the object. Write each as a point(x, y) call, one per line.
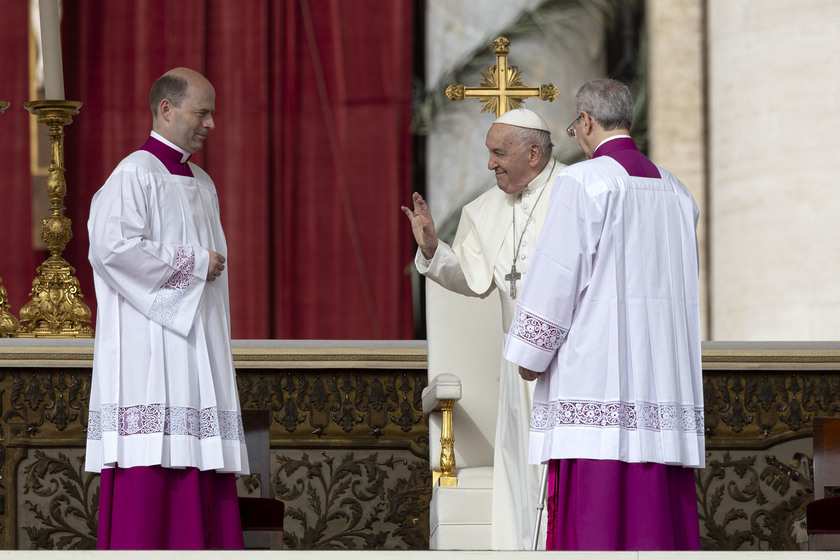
point(608, 324)
point(165, 427)
point(491, 251)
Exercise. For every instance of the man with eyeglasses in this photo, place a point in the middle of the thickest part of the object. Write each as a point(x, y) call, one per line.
point(491, 250)
point(608, 324)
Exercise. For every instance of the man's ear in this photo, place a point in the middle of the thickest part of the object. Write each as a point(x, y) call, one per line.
point(587, 122)
point(534, 155)
point(584, 124)
point(165, 109)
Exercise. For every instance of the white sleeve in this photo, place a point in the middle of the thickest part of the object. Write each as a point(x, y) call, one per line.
point(558, 275)
point(164, 282)
point(445, 269)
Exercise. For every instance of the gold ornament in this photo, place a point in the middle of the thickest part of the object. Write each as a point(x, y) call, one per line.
point(56, 309)
point(501, 88)
point(8, 324)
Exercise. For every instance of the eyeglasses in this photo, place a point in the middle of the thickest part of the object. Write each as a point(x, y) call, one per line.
point(570, 130)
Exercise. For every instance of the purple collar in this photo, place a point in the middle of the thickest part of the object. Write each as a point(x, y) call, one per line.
point(168, 156)
point(627, 154)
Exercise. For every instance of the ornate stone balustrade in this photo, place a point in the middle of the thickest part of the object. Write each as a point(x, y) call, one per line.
point(350, 443)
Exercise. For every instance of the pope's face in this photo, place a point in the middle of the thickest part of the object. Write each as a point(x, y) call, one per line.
point(193, 120)
point(509, 159)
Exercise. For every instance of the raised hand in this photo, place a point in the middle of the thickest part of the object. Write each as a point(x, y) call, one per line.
point(422, 225)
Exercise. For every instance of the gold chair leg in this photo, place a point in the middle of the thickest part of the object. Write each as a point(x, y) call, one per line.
point(446, 476)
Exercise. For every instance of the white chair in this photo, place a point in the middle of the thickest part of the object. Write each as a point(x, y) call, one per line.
point(464, 338)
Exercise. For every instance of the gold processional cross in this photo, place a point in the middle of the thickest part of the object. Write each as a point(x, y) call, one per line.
point(500, 91)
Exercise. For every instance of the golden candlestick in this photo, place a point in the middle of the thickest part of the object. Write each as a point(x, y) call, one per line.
point(56, 309)
point(8, 324)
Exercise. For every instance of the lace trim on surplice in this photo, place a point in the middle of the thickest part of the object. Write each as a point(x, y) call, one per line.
point(616, 414)
point(536, 331)
point(168, 300)
point(165, 420)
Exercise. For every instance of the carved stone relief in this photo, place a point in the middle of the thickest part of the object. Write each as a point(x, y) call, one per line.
point(58, 501)
point(755, 500)
point(350, 457)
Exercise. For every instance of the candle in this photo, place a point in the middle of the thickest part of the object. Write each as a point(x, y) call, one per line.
point(51, 49)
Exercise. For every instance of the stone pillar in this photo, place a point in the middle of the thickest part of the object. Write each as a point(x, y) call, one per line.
point(676, 113)
point(774, 111)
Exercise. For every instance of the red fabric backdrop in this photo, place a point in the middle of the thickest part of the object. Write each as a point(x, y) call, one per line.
point(17, 260)
point(311, 155)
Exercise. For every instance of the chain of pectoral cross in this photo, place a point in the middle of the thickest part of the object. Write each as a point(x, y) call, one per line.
point(514, 275)
point(502, 89)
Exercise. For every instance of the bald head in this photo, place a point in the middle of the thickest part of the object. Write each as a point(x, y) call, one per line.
point(183, 102)
point(173, 85)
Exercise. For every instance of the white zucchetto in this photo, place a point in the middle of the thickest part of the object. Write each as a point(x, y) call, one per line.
point(523, 118)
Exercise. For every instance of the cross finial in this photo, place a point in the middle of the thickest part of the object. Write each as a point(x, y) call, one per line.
point(501, 88)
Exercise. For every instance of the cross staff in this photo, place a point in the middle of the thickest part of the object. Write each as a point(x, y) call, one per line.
point(501, 89)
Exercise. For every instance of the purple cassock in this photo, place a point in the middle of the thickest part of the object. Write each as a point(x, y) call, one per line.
point(156, 508)
point(615, 505)
point(153, 508)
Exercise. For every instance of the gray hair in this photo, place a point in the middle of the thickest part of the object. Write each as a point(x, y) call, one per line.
point(607, 101)
point(528, 136)
point(169, 86)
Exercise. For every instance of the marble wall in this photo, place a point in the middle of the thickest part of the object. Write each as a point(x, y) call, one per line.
point(745, 99)
point(676, 118)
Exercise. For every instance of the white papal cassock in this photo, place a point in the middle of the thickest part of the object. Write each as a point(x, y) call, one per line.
point(611, 307)
point(164, 389)
point(480, 257)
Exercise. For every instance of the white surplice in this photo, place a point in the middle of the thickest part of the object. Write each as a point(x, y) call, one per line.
point(164, 389)
point(476, 264)
point(611, 307)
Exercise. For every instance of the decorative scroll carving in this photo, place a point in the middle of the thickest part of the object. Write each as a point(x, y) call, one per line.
point(759, 409)
point(351, 406)
point(348, 502)
point(350, 448)
point(341, 499)
point(45, 403)
point(370, 485)
point(63, 504)
point(752, 502)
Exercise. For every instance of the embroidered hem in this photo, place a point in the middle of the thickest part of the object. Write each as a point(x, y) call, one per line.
point(616, 414)
point(165, 420)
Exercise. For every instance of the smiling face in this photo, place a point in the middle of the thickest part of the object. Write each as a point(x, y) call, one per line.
point(511, 160)
point(188, 125)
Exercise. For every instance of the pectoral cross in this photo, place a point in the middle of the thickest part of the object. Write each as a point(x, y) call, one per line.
point(501, 89)
point(512, 277)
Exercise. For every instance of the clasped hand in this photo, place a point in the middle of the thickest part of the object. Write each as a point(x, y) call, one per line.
point(217, 265)
point(529, 375)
